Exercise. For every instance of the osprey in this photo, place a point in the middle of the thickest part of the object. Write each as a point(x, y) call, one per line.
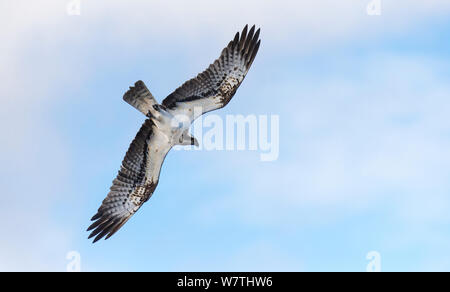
point(168, 125)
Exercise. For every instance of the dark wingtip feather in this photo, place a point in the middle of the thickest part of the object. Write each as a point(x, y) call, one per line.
point(96, 239)
point(106, 228)
point(116, 227)
point(95, 224)
point(250, 56)
point(255, 50)
point(96, 216)
point(100, 228)
point(104, 232)
point(90, 227)
point(236, 39)
point(91, 235)
point(249, 37)
point(256, 36)
point(243, 37)
point(249, 43)
point(251, 31)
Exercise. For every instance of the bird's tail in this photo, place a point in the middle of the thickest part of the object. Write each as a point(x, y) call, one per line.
point(140, 98)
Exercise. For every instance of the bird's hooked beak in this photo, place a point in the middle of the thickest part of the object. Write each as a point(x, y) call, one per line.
point(194, 141)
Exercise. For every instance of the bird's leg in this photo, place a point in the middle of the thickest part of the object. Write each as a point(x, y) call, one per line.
point(186, 139)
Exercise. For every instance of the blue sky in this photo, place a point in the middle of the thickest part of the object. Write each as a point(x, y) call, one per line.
point(364, 160)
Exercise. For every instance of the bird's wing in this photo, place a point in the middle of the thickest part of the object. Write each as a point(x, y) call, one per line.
point(214, 88)
point(135, 182)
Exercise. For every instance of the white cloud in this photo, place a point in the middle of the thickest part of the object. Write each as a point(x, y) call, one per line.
point(352, 145)
point(36, 74)
point(34, 157)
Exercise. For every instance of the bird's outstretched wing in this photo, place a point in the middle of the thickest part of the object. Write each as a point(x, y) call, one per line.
point(214, 88)
point(134, 184)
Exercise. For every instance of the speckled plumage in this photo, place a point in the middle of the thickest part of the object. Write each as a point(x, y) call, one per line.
point(213, 88)
point(139, 174)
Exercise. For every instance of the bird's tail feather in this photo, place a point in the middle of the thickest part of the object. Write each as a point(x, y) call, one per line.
point(140, 98)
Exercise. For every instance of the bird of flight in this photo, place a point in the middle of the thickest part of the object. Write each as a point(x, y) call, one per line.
point(168, 125)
